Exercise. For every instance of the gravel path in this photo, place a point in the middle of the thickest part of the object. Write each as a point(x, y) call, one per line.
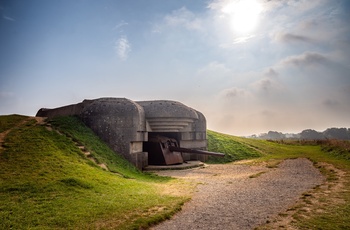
point(234, 196)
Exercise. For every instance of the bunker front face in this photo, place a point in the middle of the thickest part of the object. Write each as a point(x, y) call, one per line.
point(130, 128)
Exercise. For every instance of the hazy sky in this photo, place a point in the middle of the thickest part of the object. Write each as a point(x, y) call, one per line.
point(249, 66)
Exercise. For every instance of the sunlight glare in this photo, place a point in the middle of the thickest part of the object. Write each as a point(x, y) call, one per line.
point(244, 15)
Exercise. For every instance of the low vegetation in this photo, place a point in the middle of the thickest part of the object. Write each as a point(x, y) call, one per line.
point(47, 181)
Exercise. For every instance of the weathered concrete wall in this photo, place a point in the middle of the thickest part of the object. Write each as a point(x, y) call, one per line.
point(124, 124)
point(174, 117)
point(69, 110)
point(196, 139)
point(168, 116)
point(121, 123)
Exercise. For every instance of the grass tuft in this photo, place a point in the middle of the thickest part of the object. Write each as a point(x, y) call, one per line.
point(256, 175)
point(76, 183)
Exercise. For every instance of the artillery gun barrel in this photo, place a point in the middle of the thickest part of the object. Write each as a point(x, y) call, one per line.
point(196, 151)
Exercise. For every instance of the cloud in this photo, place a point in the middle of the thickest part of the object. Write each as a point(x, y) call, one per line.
point(269, 86)
point(264, 84)
point(242, 39)
point(303, 5)
point(271, 73)
point(183, 18)
point(213, 70)
point(123, 48)
point(294, 6)
point(299, 6)
point(217, 4)
point(121, 24)
point(292, 38)
point(234, 92)
point(8, 18)
point(330, 103)
point(305, 59)
point(269, 83)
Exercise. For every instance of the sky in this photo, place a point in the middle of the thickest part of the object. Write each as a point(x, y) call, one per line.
point(250, 66)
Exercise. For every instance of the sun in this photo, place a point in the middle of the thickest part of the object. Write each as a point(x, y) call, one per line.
point(243, 15)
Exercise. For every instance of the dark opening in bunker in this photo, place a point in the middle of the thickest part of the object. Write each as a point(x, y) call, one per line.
point(159, 146)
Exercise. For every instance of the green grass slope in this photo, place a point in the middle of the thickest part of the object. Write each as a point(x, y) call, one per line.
point(231, 146)
point(46, 182)
point(99, 151)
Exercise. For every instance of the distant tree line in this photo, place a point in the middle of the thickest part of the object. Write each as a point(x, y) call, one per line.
point(307, 134)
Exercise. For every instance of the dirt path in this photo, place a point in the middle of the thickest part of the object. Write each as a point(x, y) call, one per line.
point(234, 196)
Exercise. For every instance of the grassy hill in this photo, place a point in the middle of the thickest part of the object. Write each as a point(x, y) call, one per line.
point(232, 146)
point(46, 181)
point(59, 175)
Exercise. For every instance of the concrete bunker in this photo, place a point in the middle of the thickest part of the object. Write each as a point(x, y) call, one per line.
point(129, 127)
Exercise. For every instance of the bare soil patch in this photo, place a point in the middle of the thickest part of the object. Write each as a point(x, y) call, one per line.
point(239, 196)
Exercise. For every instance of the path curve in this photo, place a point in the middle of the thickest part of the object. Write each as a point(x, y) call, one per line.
point(234, 196)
